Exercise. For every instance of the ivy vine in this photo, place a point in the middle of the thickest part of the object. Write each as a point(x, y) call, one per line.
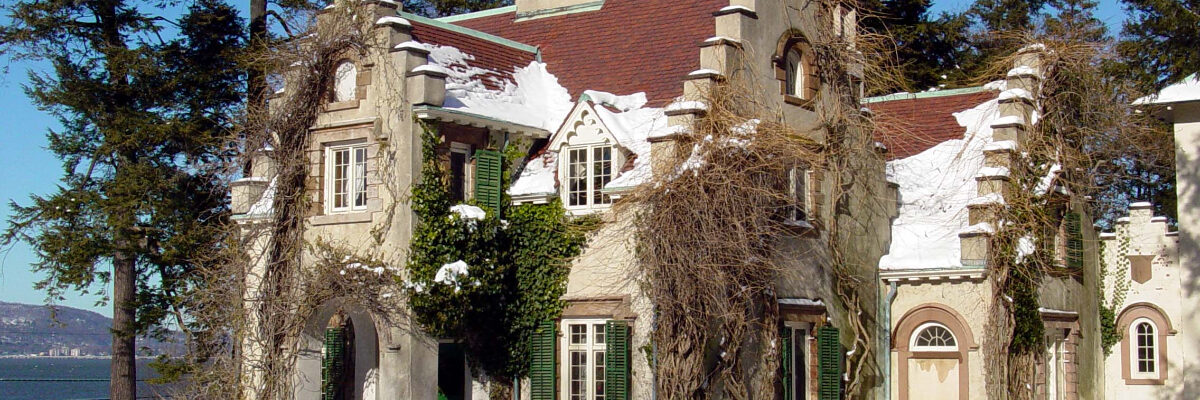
point(516, 271)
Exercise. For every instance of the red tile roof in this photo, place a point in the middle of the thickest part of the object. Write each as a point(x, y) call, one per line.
point(628, 46)
point(910, 126)
point(488, 55)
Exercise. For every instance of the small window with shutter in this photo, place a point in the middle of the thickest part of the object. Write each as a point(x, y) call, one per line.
point(829, 364)
point(488, 185)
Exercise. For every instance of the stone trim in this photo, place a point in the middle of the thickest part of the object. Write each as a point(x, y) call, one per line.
point(952, 320)
point(1162, 324)
point(616, 308)
point(795, 39)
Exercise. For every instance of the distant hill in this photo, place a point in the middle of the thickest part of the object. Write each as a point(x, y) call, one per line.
point(29, 329)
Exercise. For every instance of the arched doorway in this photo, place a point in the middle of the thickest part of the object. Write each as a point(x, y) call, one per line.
point(931, 343)
point(339, 354)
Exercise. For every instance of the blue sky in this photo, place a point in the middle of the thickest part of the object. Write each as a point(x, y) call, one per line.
point(26, 167)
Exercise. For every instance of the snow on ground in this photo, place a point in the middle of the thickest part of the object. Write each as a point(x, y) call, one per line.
point(449, 273)
point(935, 188)
point(1186, 90)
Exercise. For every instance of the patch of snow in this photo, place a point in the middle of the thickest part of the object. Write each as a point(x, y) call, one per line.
point(1141, 204)
point(1022, 70)
point(993, 171)
point(1025, 247)
point(982, 227)
point(1001, 145)
point(935, 187)
point(731, 8)
point(1158, 219)
point(802, 302)
point(720, 38)
point(687, 106)
point(411, 45)
point(996, 85)
point(449, 274)
point(704, 71)
point(671, 130)
point(468, 212)
point(537, 177)
point(1108, 235)
point(1186, 90)
point(987, 200)
point(390, 2)
point(1016, 93)
point(1047, 181)
point(1033, 47)
point(623, 103)
point(1009, 120)
point(393, 20)
point(1123, 220)
point(432, 68)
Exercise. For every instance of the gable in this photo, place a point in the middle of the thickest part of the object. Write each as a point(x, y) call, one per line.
point(582, 127)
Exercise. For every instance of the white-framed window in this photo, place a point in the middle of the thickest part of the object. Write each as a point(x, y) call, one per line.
point(346, 177)
point(932, 336)
point(587, 169)
point(583, 359)
point(345, 81)
point(797, 73)
point(800, 359)
point(798, 182)
point(460, 173)
point(1056, 374)
point(1144, 360)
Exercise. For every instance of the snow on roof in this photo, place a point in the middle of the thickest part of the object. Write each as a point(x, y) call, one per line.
point(537, 177)
point(534, 97)
point(623, 103)
point(936, 186)
point(1186, 90)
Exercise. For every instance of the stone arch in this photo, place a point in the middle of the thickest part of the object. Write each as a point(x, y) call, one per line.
point(366, 351)
point(795, 40)
point(1162, 324)
point(924, 315)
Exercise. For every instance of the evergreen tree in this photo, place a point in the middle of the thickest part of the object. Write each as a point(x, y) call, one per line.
point(441, 8)
point(1161, 41)
point(927, 47)
point(143, 125)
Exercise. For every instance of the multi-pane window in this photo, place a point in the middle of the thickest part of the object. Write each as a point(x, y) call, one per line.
point(1146, 349)
point(584, 359)
point(799, 363)
point(798, 188)
point(934, 337)
point(588, 170)
point(347, 177)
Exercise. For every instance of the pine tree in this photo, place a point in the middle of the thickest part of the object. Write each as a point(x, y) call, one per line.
point(927, 47)
point(143, 125)
point(1161, 41)
point(441, 8)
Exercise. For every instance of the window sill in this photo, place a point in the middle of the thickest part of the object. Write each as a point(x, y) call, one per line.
point(346, 217)
point(1145, 381)
point(342, 105)
point(803, 228)
point(797, 101)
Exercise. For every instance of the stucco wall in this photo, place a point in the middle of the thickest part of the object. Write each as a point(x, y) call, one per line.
point(970, 299)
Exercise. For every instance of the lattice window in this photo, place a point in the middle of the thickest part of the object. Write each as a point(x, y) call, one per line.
point(934, 337)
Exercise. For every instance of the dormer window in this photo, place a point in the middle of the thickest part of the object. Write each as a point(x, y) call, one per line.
point(588, 170)
point(345, 82)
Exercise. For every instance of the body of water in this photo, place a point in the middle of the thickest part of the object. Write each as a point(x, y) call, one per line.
point(33, 379)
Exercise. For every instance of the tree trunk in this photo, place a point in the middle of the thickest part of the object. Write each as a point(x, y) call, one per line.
point(123, 378)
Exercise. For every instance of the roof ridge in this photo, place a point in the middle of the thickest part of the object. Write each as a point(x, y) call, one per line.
point(923, 95)
point(471, 32)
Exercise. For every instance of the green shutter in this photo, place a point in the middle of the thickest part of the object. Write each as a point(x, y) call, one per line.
point(1074, 256)
point(541, 364)
point(785, 362)
point(616, 360)
point(487, 179)
point(331, 365)
point(829, 352)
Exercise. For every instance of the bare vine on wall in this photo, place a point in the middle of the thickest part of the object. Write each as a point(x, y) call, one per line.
point(710, 225)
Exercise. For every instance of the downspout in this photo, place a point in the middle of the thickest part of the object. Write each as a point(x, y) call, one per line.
point(886, 337)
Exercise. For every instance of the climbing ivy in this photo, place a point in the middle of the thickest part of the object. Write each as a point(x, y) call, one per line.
point(516, 268)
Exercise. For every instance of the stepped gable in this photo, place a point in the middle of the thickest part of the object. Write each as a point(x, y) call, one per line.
point(911, 124)
point(501, 60)
point(627, 46)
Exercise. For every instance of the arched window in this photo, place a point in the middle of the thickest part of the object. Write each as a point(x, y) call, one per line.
point(345, 81)
point(796, 73)
point(933, 336)
point(796, 69)
point(1145, 348)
